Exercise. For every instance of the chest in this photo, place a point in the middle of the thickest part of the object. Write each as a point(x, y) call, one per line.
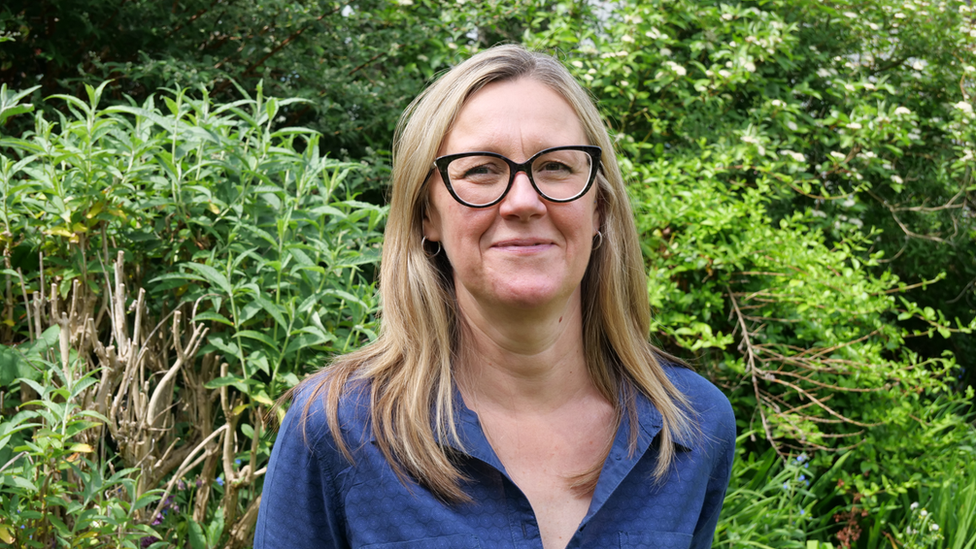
point(628, 508)
point(554, 463)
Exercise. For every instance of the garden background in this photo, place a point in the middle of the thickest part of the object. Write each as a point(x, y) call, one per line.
point(193, 199)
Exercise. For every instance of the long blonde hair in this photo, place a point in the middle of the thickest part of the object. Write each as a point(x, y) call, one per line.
point(409, 366)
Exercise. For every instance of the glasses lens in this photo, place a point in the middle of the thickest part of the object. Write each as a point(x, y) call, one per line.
point(478, 180)
point(481, 179)
point(562, 174)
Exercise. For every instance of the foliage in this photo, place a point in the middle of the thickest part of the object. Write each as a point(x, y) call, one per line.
point(771, 503)
point(54, 494)
point(213, 216)
point(952, 503)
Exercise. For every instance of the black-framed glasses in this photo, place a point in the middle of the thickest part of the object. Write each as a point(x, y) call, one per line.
point(481, 179)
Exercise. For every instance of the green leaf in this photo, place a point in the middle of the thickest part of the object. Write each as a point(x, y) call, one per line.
point(213, 276)
point(13, 366)
point(210, 315)
point(236, 382)
point(197, 538)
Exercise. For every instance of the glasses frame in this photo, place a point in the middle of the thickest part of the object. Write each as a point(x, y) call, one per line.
point(441, 163)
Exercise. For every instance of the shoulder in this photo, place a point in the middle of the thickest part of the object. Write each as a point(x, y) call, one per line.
point(308, 415)
point(706, 403)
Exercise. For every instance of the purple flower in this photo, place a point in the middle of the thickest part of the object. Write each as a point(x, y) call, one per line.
point(147, 541)
point(220, 481)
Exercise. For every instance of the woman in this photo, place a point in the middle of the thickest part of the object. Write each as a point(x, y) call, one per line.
point(512, 398)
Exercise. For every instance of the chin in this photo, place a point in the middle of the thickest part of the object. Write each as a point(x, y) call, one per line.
point(528, 298)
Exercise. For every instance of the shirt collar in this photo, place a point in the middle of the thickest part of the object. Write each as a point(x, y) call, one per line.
point(474, 443)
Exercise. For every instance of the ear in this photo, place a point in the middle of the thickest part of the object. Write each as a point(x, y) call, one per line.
point(597, 216)
point(432, 223)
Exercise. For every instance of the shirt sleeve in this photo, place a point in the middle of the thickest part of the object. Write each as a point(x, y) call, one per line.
point(721, 421)
point(300, 506)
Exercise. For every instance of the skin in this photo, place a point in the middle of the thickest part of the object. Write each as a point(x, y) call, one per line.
point(517, 272)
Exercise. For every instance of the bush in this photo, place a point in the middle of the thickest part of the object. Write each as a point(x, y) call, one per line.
point(178, 268)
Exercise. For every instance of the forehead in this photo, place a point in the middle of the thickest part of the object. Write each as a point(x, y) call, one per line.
point(518, 117)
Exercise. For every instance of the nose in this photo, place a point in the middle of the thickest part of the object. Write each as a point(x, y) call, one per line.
point(522, 199)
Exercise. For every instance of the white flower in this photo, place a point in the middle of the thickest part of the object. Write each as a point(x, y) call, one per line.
point(969, 68)
point(451, 46)
point(964, 107)
point(854, 126)
point(405, 2)
point(777, 103)
point(837, 155)
point(627, 38)
point(868, 154)
point(750, 66)
point(791, 125)
point(578, 64)
point(797, 157)
point(902, 110)
point(856, 222)
point(934, 527)
point(724, 73)
point(848, 87)
point(823, 73)
point(727, 16)
point(750, 39)
point(732, 44)
point(918, 64)
point(676, 68)
point(665, 52)
point(923, 513)
point(899, 181)
point(899, 15)
point(624, 83)
point(847, 203)
point(850, 14)
point(873, 26)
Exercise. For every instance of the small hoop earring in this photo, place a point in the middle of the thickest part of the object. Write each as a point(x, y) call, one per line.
point(423, 244)
point(599, 242)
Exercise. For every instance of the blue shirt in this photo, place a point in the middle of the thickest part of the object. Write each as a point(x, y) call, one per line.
point(314, 498)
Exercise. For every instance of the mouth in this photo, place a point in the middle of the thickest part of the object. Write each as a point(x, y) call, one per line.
point(522, 244)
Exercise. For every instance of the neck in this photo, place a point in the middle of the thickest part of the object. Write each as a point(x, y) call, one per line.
point(523, 359)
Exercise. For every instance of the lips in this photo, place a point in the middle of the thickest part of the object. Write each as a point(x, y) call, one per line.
point(522, 243)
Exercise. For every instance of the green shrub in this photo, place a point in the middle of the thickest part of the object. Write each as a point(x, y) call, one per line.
point(196, 261)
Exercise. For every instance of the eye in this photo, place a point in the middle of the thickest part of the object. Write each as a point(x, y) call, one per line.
point(554, 167)
point(478, 170)
point(481, 169)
